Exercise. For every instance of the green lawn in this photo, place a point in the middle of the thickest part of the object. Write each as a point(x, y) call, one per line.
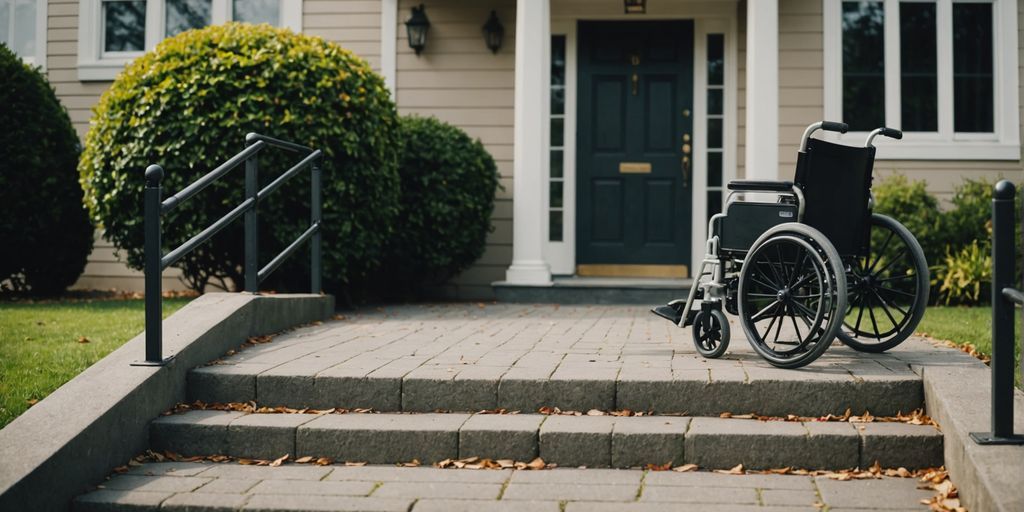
point(45, 344)
point(963, 325)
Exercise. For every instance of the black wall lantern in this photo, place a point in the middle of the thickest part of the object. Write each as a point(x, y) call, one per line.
point(494, 32)
point(636, 6)
point(417, 26)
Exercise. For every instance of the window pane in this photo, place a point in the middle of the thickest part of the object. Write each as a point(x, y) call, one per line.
point(557, 100)
point(557, 131)
point(555, 226)
point(716, 59)
point(863, 65)
point(714, 102)
point(556, 194)
point(23, 41)
point(256, 11)
point(556, 163)
point(918, 68)
point(973, 96)
point(183, 15)
point(714, 202)
point(557, 60)
point(124, 25)
point(714, 133)
point(714, 169)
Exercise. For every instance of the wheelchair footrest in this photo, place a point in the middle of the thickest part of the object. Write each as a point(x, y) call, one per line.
point(672, 313)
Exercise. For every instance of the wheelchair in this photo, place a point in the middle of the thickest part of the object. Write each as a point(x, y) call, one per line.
point(809, 264)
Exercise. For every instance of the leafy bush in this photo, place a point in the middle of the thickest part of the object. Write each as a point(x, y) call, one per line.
point(448, 182)
point(965, 276)
point(44, 228)
point(912, 205)
point(188, 104)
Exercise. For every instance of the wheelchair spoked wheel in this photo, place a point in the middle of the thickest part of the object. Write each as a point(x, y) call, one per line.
point(887, 291)
point(791, 295)
point(711, 333)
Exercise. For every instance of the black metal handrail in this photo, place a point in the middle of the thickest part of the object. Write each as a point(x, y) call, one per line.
point(1004, 298)
point(156, 207)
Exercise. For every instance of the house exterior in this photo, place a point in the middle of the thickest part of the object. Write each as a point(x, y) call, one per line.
point(615, 131)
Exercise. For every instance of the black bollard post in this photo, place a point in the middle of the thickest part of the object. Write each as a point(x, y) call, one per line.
point(153, 267)
point(1004, 296)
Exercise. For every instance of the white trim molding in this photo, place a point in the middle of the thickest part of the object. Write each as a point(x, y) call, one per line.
point(762, 130)
point(96, 65)
point(945, 144)
point(388, 44)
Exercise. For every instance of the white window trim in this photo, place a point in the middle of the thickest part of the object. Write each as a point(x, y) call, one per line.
point(1004, 144)
point(96, 65)
point(39, 59)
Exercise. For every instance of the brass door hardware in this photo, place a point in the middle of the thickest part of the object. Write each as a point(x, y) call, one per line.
point(635, 167)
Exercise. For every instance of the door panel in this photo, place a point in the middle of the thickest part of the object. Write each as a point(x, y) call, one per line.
point(633, 197)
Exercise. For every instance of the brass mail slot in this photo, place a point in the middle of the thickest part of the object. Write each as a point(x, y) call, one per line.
point(635, 167)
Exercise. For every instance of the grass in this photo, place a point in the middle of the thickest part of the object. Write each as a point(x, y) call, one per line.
point(967, 325)
point(45, 344)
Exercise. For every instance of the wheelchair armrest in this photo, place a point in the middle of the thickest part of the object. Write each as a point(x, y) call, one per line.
point(761, 185)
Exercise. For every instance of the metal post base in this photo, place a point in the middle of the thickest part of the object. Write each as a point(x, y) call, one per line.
point(989, 438)
point(164, 362)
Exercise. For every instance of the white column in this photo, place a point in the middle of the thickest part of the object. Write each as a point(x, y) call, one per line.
point(388, 41)
point(533, 42)
point(762, 135)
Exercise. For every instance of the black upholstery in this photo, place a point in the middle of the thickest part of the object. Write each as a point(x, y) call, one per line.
point(836, 182)
point(754, 185)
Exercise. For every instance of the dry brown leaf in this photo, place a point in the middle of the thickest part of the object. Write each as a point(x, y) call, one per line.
point(304, 460)
point(736, 470)
point(537, 463)
point(505, 463)
point(280, 460)
point(685, 468)
point(659, 467)
point(411, 464)
point(121, 469)
point(83, 339)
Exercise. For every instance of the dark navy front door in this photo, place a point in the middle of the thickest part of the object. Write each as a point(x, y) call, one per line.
point(635, 99)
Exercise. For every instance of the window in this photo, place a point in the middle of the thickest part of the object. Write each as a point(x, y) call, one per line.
point(23, 28)
point(716, 119)
point(113, 32)
point(556, 183)
point(940, 70)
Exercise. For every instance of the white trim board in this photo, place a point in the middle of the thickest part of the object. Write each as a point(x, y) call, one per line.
point(1003, 144)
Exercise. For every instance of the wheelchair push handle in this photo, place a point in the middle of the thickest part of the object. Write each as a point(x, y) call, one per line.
point(829, 126)
point(892, 133)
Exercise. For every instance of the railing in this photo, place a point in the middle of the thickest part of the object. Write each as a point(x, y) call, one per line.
point(156, 207)
point(1004, 297)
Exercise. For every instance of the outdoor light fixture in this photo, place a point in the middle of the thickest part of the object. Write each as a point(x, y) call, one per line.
point(494, 31)
point(417, 26)
point(636, 6)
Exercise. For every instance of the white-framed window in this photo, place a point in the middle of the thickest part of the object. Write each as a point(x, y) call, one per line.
point(943, 71)
point(23, 29)
point(113, 32)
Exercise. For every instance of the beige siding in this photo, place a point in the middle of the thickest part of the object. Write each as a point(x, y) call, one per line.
point(801, 102)
point(458, 80)
point(354, 24)
point(106, 271)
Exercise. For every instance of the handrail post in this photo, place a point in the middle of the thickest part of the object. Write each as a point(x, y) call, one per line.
point(315, 216)
point(252, 281)
point(152, 255)
point(1003, 336)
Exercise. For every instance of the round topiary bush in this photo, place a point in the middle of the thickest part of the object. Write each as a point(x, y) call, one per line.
point(187, 106)
point(448, 182)
point(44, 228)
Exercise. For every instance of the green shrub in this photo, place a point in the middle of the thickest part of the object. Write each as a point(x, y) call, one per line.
point(965, 275)
point(911, 204)
point(45, 229)
point(187, 106)
point(448, 183)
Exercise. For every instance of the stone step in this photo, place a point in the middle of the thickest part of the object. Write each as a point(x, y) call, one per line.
point(694, 386)
point(591, 441)
point(196, 486)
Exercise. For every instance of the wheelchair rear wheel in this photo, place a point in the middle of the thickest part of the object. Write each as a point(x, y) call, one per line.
point(792, 293)
point(888, 289)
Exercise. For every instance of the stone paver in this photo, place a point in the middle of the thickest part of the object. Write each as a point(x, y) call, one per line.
point(426, 489)
point(463, 357)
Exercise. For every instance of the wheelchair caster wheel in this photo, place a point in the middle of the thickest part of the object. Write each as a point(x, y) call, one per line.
point(711, 333)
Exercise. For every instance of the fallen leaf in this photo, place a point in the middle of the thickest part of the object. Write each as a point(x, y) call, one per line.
point(736, 470)
point(83, 339)
point(656, 467)
point(278, 461)
point(121, 469)
point(537, 463)
point(595, 412)
point(685, 468)
point(304, 460)
point(31, 402)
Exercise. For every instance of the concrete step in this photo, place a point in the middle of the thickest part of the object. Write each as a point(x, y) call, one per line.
point(230, 487)
point(595, 290)
point(591, 441)
point(694, 386)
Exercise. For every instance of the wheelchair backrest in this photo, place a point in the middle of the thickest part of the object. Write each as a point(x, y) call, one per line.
point(836, 182)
